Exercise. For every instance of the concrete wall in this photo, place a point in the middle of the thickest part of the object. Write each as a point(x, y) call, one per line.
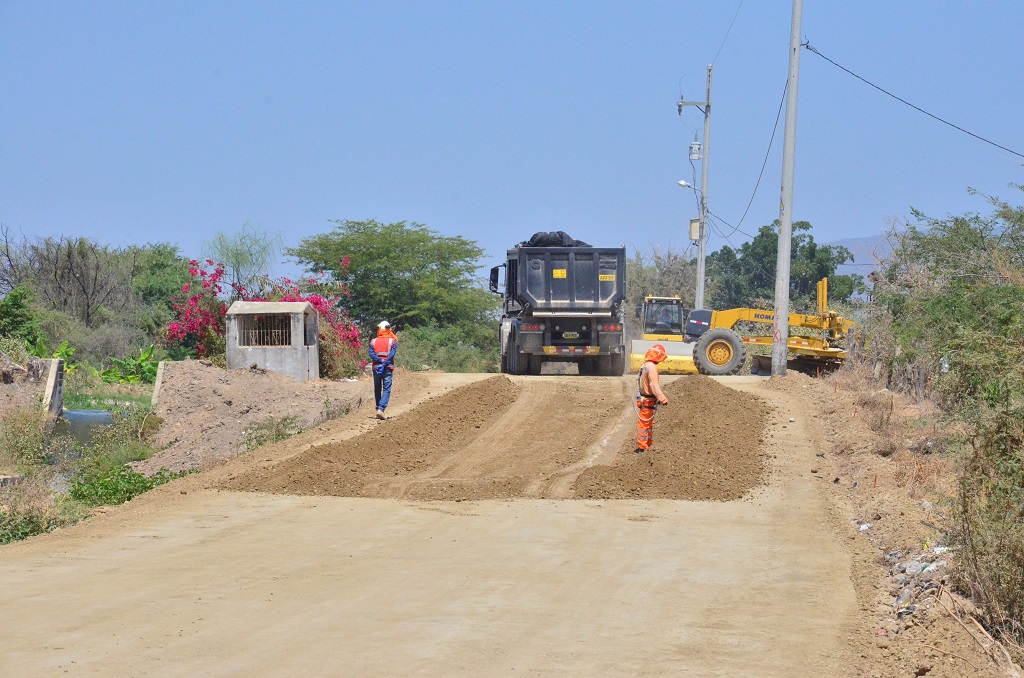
point(53, 395)
point(301, 363)
point(298, 360)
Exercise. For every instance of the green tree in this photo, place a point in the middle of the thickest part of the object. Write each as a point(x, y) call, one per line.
point(662, 274)
point(403, 272)
point(246, 255)
point(746, 276)
point(462, 348)
point(17, 319)
point(159, 271)
point(109, 302)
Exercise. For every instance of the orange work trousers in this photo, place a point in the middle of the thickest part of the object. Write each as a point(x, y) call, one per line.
point(645, 410)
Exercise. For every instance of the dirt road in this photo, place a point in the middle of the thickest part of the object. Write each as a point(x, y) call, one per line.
point(337, 566)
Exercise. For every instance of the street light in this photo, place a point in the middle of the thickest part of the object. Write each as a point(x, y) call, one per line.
point(701, 239)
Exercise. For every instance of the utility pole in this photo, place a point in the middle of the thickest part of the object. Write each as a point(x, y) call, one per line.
point(780, 335)
point(702, 233)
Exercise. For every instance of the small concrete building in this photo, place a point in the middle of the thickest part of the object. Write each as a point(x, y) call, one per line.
point(282, 336)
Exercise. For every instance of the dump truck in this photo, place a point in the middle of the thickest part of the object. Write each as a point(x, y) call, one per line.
point(706, 342)
point(562, 303)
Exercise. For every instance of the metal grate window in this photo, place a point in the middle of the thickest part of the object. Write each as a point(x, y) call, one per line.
point(265, 330)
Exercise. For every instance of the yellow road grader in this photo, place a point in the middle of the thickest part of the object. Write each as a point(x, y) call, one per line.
point(701, 341)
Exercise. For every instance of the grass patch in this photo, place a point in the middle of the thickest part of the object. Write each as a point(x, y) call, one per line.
point(124, 441)
point(103, 487)
point(270, 431)
point(103, 401)
point(15, 525)
point(98, 471)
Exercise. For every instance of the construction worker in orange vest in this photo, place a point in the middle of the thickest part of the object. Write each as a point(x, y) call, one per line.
point(648, 397)
point(382, 355)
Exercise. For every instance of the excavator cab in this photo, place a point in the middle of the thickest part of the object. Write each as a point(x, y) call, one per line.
point(663, 318)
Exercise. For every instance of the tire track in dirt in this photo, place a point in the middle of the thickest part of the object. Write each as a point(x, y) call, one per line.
point(547, 433)
point(409, 443)
point(601, 453)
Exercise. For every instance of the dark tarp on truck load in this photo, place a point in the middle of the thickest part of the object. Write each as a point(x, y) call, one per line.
point(553, 239)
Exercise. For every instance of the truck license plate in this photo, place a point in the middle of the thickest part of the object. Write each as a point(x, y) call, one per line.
point(570, 335)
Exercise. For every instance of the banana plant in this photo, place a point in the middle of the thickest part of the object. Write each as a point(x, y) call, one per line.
point(64, 352)
point(132, 370)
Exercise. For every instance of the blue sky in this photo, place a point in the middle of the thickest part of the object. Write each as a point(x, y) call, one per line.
point(133, 122)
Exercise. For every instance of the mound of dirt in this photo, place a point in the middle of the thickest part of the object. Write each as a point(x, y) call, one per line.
point(707, 446)
point(403, 446)
point(207, 410)
point(503, 439)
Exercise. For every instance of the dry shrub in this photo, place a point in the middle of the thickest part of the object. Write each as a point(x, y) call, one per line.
point(855, 376)
point(14, 349)
point(31, 507)
point(23, 438)
point(878, 410)
point(992, 521)
point(920, 474)
point(112, 340)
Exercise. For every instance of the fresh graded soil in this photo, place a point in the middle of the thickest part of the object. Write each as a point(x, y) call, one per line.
point(707, 447)
point(499, 439)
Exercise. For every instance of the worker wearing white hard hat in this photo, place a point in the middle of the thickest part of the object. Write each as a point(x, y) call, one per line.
point(382, 356)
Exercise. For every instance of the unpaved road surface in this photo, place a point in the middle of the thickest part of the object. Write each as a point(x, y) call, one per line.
point(338, 554)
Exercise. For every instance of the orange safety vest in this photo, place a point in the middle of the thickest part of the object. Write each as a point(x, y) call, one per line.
point(382, 349)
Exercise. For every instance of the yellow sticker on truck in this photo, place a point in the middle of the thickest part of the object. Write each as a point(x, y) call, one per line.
point(606, 277)
point(558, 272)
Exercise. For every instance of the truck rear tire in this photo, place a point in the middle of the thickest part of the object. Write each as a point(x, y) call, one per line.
point(517, 362)
point(719, 352)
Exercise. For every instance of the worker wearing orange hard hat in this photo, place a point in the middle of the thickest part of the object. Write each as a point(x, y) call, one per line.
point(649, 396)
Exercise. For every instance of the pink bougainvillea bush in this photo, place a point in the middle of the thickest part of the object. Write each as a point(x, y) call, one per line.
point(199, 326)
point(200, 309)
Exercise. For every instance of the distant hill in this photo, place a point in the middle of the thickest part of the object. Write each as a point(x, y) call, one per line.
point(867, 252)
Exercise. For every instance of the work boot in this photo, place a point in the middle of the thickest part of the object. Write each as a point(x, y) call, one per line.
point(380, 414)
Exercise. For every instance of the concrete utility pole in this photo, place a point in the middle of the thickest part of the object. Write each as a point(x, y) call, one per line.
point(780, 340)
point(702, 233)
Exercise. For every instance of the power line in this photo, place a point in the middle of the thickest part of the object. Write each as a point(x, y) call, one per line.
point(916, 108)
point(735, 229)
point(767, 153)
point(727, 32)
